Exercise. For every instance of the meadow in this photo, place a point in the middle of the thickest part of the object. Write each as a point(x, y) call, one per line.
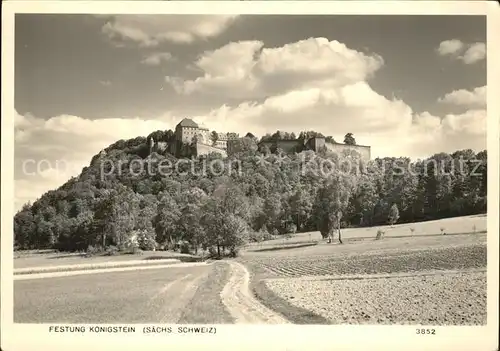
point(48, 258)
point(447, 226)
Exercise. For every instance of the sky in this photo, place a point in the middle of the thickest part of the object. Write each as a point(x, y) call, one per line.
point(405, 85)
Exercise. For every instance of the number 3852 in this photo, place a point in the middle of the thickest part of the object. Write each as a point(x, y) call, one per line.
point(426, 331)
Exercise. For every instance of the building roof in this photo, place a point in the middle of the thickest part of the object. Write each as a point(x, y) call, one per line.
point(187, 122)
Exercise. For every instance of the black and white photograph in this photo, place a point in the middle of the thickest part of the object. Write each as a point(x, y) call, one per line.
point(174, 173)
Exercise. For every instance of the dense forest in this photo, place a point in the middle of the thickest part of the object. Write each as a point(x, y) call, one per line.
point(124, 199)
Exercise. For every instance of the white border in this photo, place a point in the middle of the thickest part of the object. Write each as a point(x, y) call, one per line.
point(31, 337)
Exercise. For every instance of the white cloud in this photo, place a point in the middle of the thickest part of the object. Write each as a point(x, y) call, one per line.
point(472, 122)
point(156, 58)
point(105, 83)
point(467, 53)
point(475, 97)
point(390, 127)
point(433, 134)
point(331, 111)
point(56, 149)
point(450, 47)
point(246, 69)
point(151, 30)
point(102, 128)
point(323, 85)
point(21, 121)
point(476, 52)
point(33, 186)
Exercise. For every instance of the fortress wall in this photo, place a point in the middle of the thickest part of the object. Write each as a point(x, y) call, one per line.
point(204, 149)
point(364, 151)
point(315, 143)
point(288, 146)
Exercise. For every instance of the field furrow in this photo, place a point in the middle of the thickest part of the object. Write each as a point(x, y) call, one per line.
point(444, 259)
point(455, 298)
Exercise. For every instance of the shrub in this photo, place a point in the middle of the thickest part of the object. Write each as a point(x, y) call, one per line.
point(380, 234)
point(265, 234)
point(146, 241)
point(255, 237)
point(132, 241)
point(123, 247)
point(112, 250)
point(212, 252)
point(233, 252)
point(136, 251)
point(292, 228)
point(393, 214)
point(184, 247)
point(91, 251)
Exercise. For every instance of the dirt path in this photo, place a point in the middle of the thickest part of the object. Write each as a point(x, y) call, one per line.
point(181, 291)
point(239, 301)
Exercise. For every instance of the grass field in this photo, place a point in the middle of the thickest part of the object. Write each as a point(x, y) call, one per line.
point(173, 295)
point(50, 258)
point(342, 283)
point(458, 225)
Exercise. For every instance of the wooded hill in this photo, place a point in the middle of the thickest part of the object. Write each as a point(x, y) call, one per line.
point(218, 211)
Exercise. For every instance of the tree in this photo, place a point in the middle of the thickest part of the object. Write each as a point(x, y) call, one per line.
point(265, 149)
point(225, 218)
point(349, 139)
point(329, 139)
point(116, 215)
point(331, 203)
point(146, 235)
point(393, 214)
point(195, 140)
point(189, 226)
point(24, 228)
point(272, 210)
point(301, 207)
point(266, 137)
point(214, 137)
point(167, 217)
point(364, 200)
point(235, 233)
point(278, 135)
point(44, 233)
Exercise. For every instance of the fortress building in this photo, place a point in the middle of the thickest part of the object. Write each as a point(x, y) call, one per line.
point(187, 130)
point(225, 138)
point(190, 138)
